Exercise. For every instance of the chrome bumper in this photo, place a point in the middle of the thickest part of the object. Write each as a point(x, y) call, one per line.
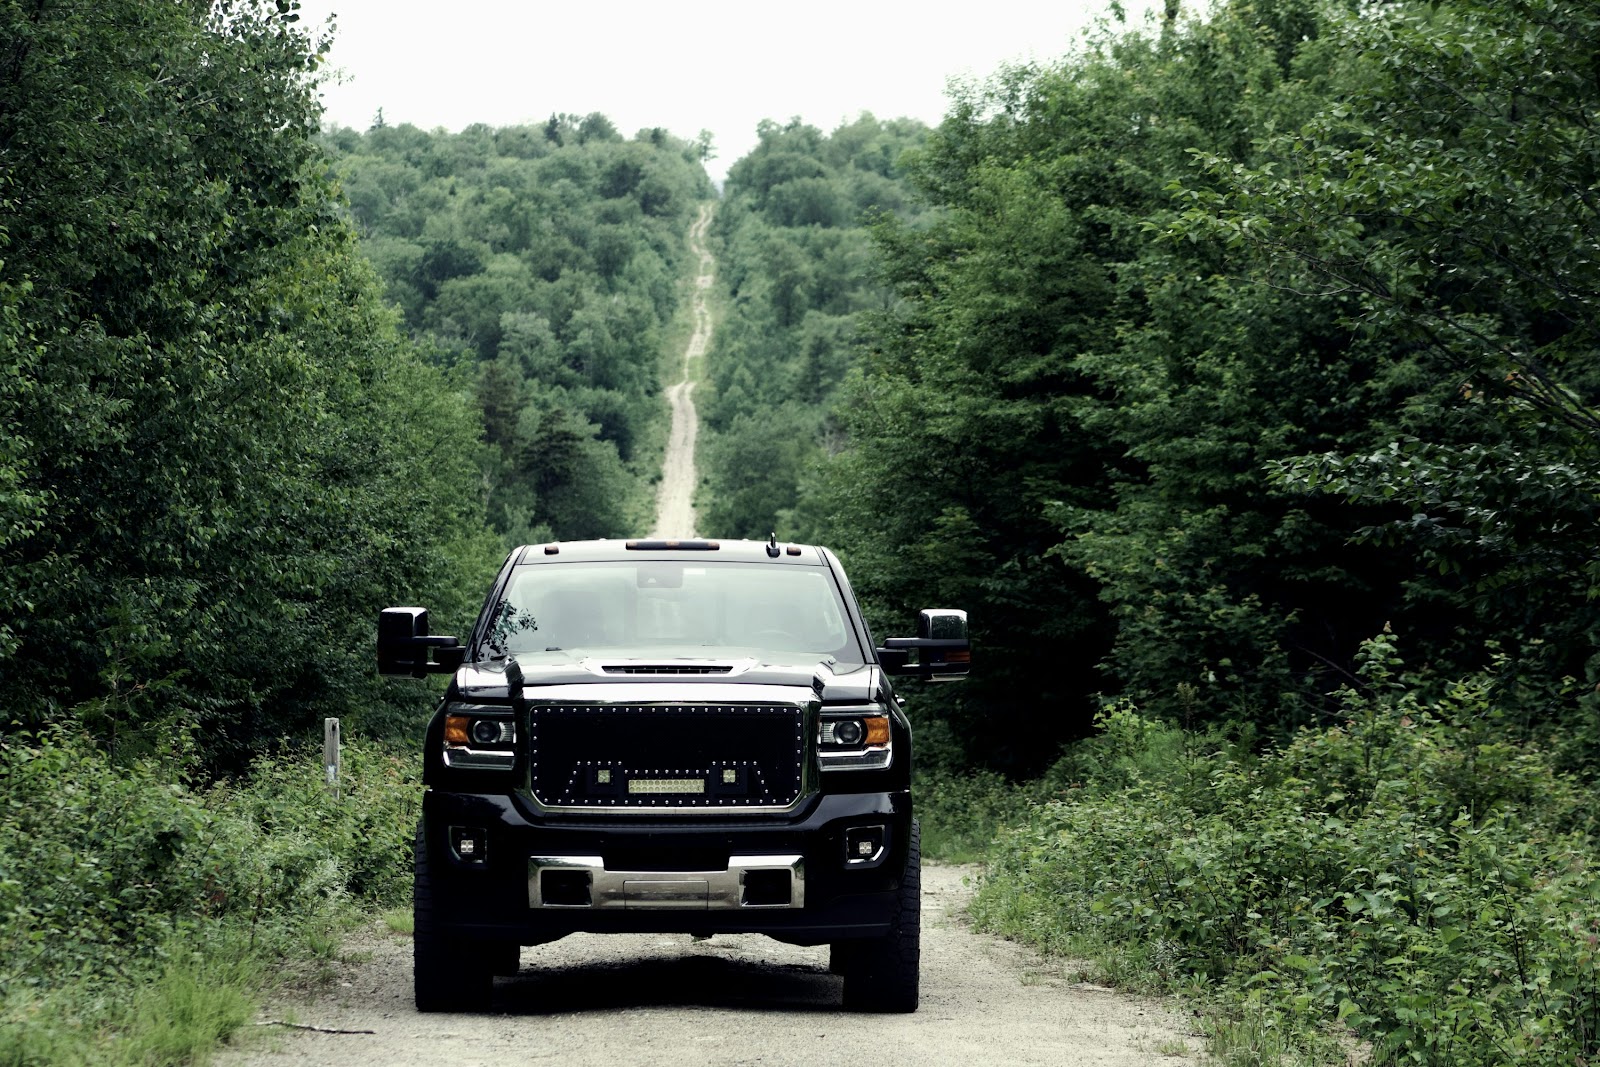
point(726, 890)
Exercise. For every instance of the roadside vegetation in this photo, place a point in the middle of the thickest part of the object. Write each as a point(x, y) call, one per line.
point(142, 912)
point(1246, 373)
point(1408, 879)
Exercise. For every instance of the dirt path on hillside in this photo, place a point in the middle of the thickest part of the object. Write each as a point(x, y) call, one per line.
point(675, 496)
point(652, 999)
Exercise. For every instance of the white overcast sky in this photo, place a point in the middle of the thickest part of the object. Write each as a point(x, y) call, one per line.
point(713, 65)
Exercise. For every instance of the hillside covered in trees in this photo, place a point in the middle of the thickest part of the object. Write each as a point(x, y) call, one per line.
point(796, 262)
point(541, 266)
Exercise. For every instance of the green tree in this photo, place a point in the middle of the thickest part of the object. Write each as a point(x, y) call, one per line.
point(549, 260)
point(1452, 195)
point(1081, 410)
point(220, 455)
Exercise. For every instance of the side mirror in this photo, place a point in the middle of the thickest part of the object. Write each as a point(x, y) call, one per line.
point(404, 644)
point(943, 651)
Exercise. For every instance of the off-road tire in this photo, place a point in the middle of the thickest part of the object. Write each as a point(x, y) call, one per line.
point(447, 975)
point(883, 974)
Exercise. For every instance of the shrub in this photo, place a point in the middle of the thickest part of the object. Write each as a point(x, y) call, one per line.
point(1404, 874)
point(136, 910)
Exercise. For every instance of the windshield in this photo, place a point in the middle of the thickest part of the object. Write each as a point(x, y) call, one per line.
point(672, 608)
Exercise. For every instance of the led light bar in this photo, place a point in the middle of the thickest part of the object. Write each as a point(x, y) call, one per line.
point(666, 785)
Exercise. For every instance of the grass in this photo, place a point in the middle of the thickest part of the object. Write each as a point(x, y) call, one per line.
point(1410, 883)
point(400, 921)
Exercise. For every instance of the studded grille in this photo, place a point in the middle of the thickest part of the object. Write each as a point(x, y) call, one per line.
point(702, 756)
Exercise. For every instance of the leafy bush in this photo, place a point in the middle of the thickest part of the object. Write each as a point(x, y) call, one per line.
point(115, 878)
point(1405, 874)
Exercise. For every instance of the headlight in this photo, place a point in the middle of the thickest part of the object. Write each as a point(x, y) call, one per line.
point(479, 737)
point(491, 731)
point(854, 738)
point(849, 732)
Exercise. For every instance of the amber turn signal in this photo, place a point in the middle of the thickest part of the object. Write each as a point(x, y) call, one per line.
point(455, 729)
point(877, 729)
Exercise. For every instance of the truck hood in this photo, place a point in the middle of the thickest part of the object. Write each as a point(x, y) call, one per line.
point(639, 675)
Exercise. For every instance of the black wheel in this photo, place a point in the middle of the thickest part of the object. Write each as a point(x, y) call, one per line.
point(447, 974)
point(503, 957)
point(883, 974)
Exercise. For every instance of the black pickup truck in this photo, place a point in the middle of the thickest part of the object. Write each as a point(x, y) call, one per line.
point(691, 736)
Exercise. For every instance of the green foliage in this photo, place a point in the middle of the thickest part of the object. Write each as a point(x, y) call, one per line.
point(219, 453)
point(116, 878)
point(545, 263)
point(1409, 875)
point(1449, 194)
point(963, 813)
point(1063, 420)
point(796, 262)
point(1109, 376)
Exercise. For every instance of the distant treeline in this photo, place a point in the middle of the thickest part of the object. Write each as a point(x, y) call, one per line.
point(542, 265)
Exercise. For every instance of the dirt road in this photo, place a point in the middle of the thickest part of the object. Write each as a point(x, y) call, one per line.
point(675, 496)
point(646, 1000)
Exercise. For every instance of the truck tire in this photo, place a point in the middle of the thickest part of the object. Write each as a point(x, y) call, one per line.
point(447, 975)
point(883, 974)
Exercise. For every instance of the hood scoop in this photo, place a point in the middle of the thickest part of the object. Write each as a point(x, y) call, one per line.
point(666, 668)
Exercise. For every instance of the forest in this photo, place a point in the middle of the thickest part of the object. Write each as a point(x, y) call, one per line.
point(1235, 371)
point(540, 265)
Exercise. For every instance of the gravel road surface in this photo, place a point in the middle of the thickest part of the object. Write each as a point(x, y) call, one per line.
point(648, 1000)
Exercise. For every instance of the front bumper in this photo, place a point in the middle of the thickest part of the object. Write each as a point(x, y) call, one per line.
point(502, 871)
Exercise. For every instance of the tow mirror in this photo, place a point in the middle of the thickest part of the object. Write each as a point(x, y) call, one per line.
point(404, 645)
point(942, 649)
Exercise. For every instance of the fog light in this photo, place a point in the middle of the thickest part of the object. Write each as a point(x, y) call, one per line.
point(863, 845)
point(470, 844)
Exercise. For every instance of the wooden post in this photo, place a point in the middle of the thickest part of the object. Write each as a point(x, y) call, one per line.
point(330, 754)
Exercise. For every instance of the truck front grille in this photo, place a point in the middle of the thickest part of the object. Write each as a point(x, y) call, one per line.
point(695, 756)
